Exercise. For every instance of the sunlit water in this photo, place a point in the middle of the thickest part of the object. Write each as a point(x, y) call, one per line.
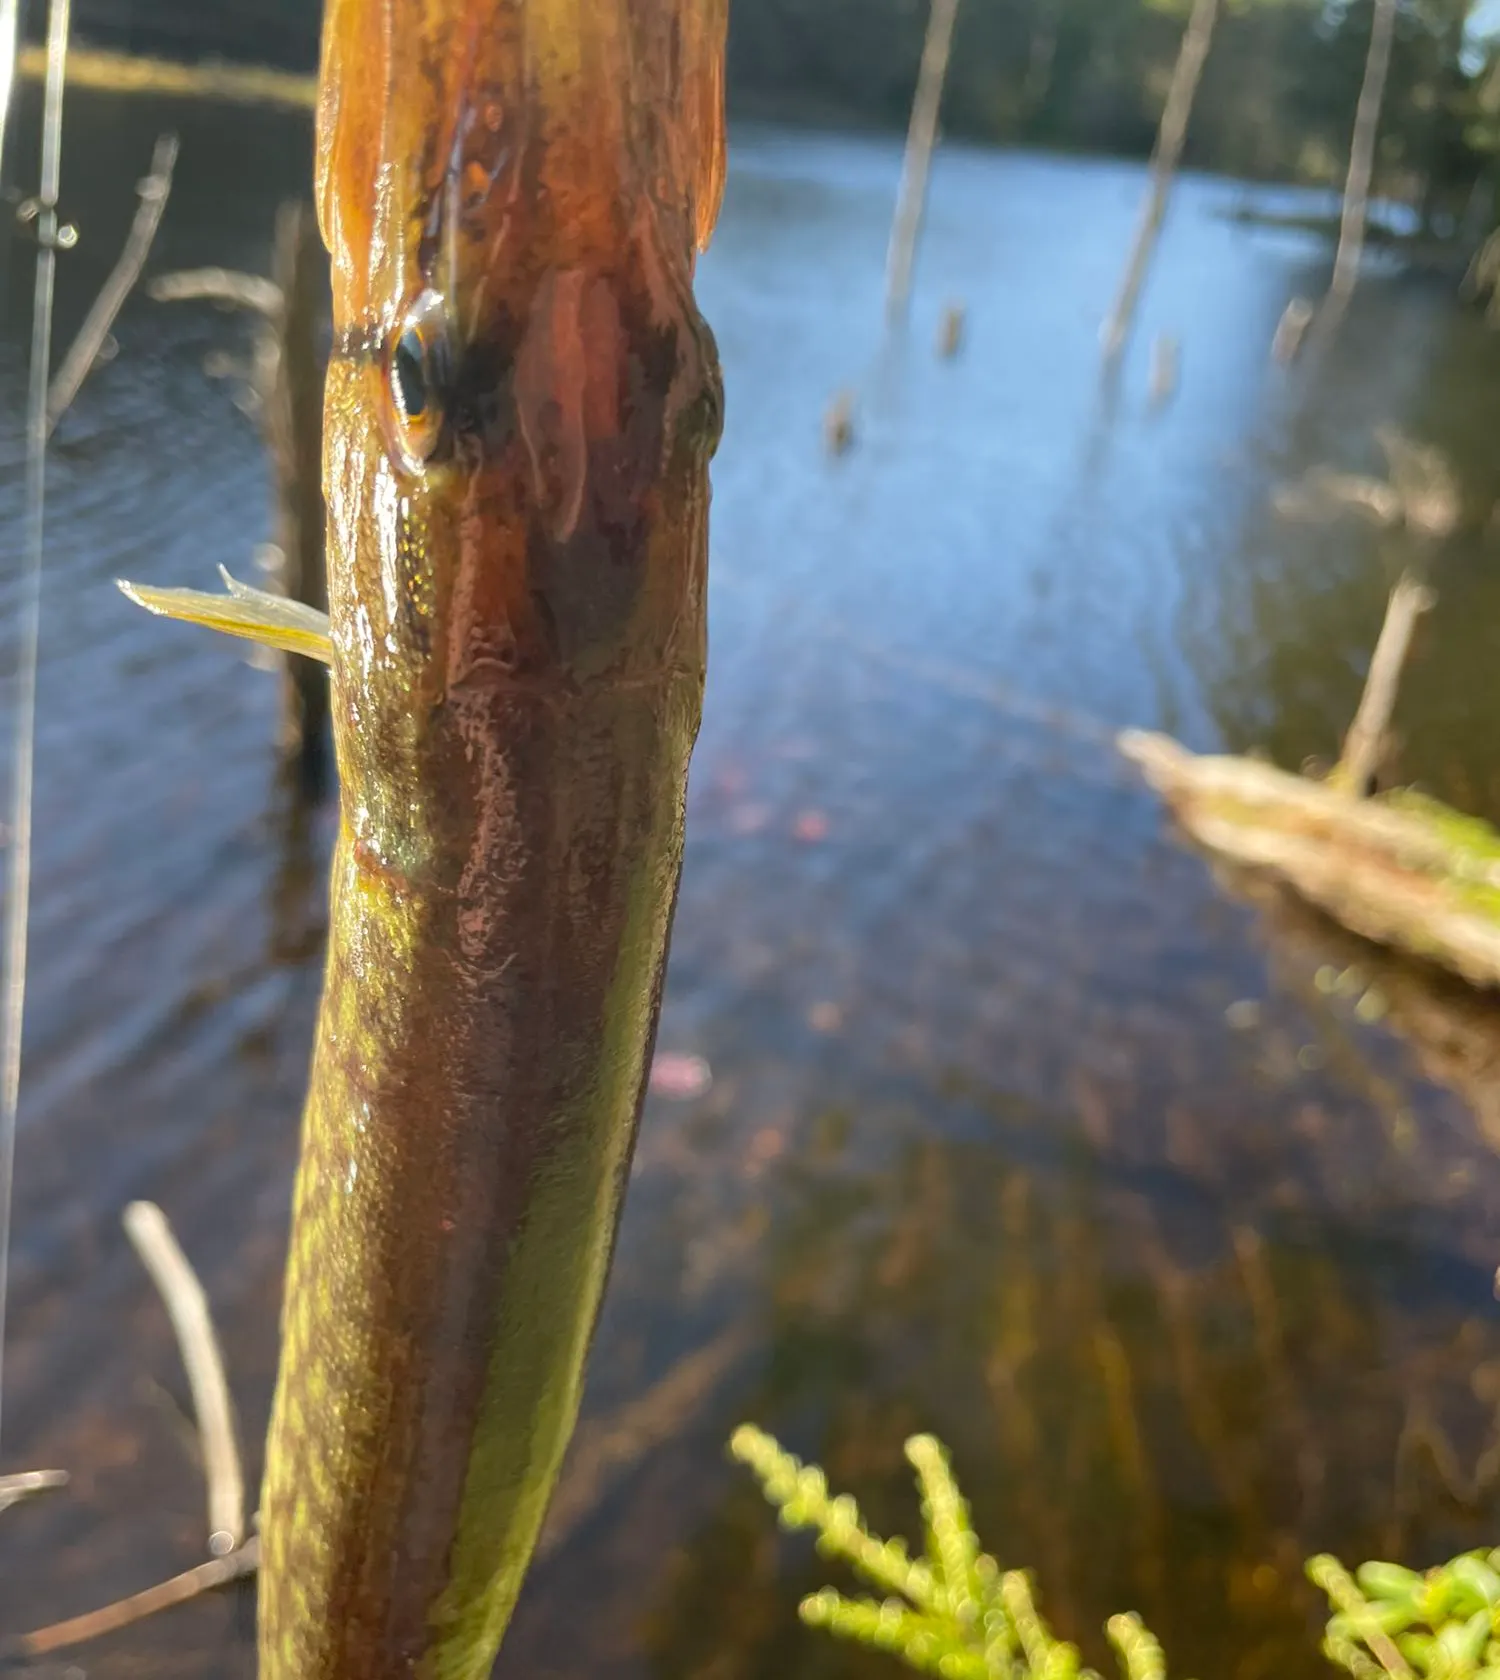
point(1022, 1130)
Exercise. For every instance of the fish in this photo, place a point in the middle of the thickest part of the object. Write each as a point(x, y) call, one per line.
point(523, 401)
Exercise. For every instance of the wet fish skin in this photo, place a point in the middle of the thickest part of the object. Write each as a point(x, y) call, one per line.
point(522, 404)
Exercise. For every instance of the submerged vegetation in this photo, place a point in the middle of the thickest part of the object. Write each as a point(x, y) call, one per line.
point(957, 1614)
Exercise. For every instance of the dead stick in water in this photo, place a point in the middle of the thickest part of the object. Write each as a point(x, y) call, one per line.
point(1170, 139)
point(920, 139)
point(219, 285)
point(154, 191)
point(1366, 737)
point(1361, 169)
point(126, 1612)
point(13, 1489)
point(146, 1226)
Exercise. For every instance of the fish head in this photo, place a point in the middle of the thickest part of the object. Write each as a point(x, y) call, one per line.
point(523, 397)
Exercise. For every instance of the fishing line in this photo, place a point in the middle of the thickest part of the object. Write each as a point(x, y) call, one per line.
point(13, 969)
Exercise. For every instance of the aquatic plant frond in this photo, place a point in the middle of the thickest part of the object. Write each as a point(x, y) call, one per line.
point(1391, 1623)
point(253, 614)
point(961, 1617)
point(956, 1614)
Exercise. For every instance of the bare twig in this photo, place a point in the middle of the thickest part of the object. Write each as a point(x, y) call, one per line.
point(1196, 40)
point(13, 1489)
point(154, 192)
point(920, 140)
point(220, 285)
point(207, 1577)
point(146, 1226)
point(1366, 737)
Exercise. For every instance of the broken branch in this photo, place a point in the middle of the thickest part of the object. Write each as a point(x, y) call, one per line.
point(154, 192)
point(13, 1489)
point(207, 1577)
point(187, 1306)
point(219, 285)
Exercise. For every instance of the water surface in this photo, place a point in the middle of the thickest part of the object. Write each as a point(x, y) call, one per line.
point(1024, 1129)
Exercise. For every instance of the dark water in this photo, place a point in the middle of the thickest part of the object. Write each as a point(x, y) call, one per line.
point(1023, 1129)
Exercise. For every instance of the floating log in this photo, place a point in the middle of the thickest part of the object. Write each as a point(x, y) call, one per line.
point(1399, 869)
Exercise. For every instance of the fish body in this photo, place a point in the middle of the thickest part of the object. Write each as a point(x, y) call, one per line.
point(521, 408)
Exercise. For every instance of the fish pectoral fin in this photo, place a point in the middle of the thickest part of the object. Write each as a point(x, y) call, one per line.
point(254, 614)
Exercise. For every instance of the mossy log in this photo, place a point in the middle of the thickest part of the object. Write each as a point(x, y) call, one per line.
point(1400, 869)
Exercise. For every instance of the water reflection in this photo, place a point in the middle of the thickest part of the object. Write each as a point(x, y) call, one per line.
point(1282, 632)
point(1154, 1399)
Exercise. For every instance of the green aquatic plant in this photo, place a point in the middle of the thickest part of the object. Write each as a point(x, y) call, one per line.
point(1390, 1621)
point(955, 1613)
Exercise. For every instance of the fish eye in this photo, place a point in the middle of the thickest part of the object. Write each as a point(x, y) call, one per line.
point(417, 375)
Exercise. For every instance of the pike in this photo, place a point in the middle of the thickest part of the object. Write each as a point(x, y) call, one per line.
point(522, 404)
